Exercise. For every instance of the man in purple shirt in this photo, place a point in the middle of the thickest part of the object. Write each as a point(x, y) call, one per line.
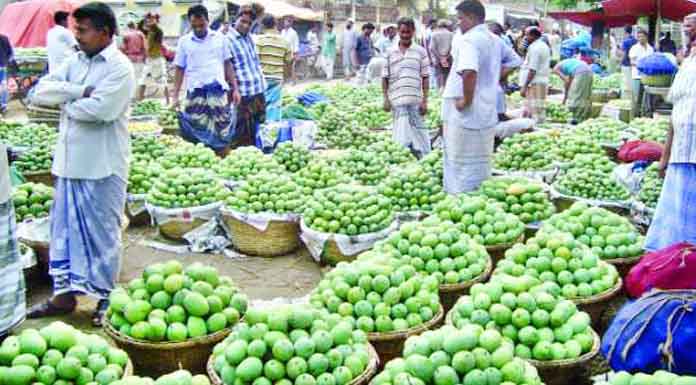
point(629, 41)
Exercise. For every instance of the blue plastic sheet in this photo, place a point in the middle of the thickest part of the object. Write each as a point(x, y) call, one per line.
point(656, 64)
point(271, 134)
point(311, 98)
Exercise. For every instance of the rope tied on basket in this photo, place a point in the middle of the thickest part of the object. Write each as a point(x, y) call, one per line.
point(666, 348)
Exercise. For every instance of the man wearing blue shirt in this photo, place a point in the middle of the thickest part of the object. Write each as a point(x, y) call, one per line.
point(90, 163)
point(628, 43)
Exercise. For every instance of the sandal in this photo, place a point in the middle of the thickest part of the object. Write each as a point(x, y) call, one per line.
point(98, 315)
point(48, 309)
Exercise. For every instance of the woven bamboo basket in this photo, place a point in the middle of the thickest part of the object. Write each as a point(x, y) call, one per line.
point(332, 254)
point(497, 252)
point(596, 305)
point(624, 265)
point(170, 130)
point(362, 379)
point(564, 372)
point(279, 238)
point(158, 358)
point(563, 203)
point(449, 294)
point(43, 177)
point(175, 229)
point(141, 219)
point(390, 345)
point(596, 110)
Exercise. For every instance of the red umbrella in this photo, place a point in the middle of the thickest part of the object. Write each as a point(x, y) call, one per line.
point(588, 18)
point(26, 23)
point(668, 9)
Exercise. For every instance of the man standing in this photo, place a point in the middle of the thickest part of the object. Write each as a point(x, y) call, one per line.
point(6, 60)
point(155, 70)
point(363, 52)
point(133, 46)
point(469, 104)
point(667, 44)
point(534, 75)
point(60, 42)
point(628, 42)
point(350, 37)
point(203, 58)
point(274, 55)
point(386, 41)
point(405, 90)
point(290, 35)
point(90, 164)
point(328, 51)
point(555, 44)
point(637, 52)
point(251, 112)
point(12, 289)
point(440, 52)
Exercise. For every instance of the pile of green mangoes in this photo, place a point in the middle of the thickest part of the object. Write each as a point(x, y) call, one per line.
point(291, 156)
point(60, 354)
point(564, 264)
point(599, 162)
point(142, 175)
point(436, 248)
point(182, 188)
point(651, 186)
point(198, 156)
point(558, 113)
point(148, 107)
point(433, 164)
point(542, 326)
point(318, 175)
point(471, 355)
point(660, 377)
point(266, 193)
point(180, 377)
point(168, 118)
point(32, 200)
point(28, 134)
point(244, 162)
point(569, 146)
point(147, 148)
point(520, 196)
point(378, 297)
point(610, 235)
point(291, 345)
point(365, 167)
point(526, 152)
point(602, 130)
point(591, 184)
point(483, 220)
point(611, 82)
point(372, 116)
point(36, 159)
point(391, 151)
point(170, 303)
point(651, 129)
point(349, 210)
point(412, 189)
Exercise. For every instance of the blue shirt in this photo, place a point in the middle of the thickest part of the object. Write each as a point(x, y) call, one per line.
point(93, 140)
point(625, 47)
point(247, 65)
point(572, 67)
point(203, 60)
point(363, 48)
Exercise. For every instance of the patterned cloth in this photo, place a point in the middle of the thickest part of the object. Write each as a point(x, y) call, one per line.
point(4, 93)
point(251, 113)
point(468, 153)
point(207, 117)
point(273, 97)
point(409, 129)
point(12, 289)
point(86, 235)
point(683, 97)
point(536, 102)
point(274, 53)
point(675, 215)
point(247, 65)
point(580, 96)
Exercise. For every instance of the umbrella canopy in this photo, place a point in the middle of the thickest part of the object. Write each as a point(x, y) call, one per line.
point(669, 9)
point(26, 23)
point(588, 18)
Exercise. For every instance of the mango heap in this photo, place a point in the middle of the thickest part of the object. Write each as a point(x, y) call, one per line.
point(169, 303)
point(32, 200)
point(412, 189)
point(183, 187)
point(266, 193)
point(520, 196)
point(590, 184)
point(291, 156)
point(367, 168)
point(245, 161)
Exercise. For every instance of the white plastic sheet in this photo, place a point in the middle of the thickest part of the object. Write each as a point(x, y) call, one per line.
point(161, 215)
point(259, 221)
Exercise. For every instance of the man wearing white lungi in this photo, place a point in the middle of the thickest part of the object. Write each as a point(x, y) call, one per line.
point(469, 105)
point(90, 163)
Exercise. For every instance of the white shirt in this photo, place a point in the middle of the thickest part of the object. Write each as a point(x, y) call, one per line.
point(60, 43)
point(636, 53)
point(538, 59)
point(349, 39)
point(5, 184)
point(203, 60)
point(93, 140)
point(290, 35)
point(480, 51)
point(313, 40)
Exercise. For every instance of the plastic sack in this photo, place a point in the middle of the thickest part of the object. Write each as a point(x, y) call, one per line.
point(654, 332)
point(271, 134)
point(311, 98)
point(161, 215)
point(635, 150)
point(348, 245)
point(673, 267)
point(192, 132)
point(657, 64)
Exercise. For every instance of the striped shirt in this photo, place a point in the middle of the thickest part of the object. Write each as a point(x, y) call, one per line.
point(274, 53)
point(683, 97)
point(247, 66)
point(405, 71)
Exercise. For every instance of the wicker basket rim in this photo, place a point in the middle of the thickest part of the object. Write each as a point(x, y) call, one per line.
point(369, 371)
point(480, 278)
point(624, 261)
point(408, 332)
point(165, 345)
point(225, 212)
point(37, 173)
point(571, 361)
point(503, 246)
point(601, 296)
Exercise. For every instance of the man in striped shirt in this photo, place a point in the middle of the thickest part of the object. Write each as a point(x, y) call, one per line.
point(405, 89)
point(275, 55)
